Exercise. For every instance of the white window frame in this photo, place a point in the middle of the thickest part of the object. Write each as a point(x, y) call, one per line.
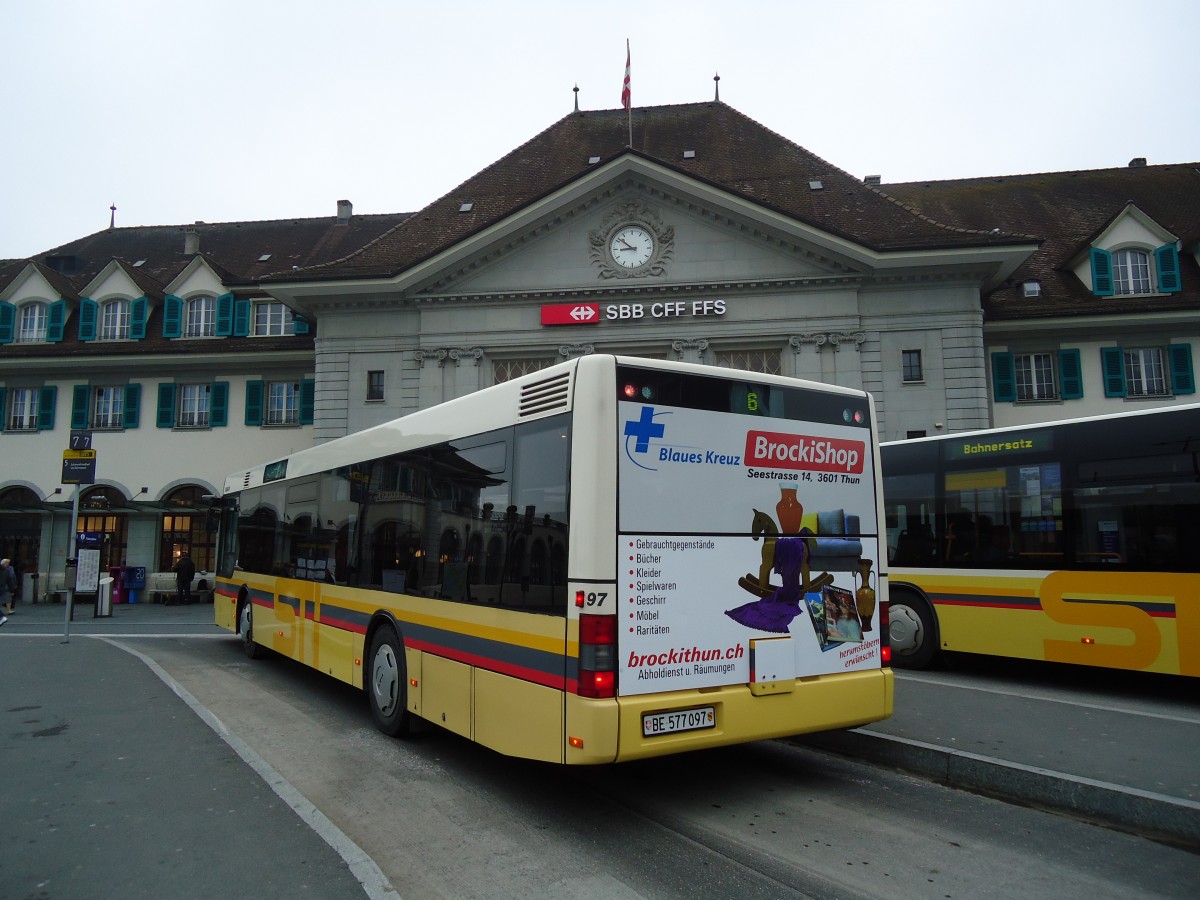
point(272, 319)
point(23, 408)
point(201, 316)
point(34, 318)
point(108, 408)
point(194, 407)
point(114, 321)
point(1035, 376)
point(1131, 272)
point(1146, 373)
point(283, 403)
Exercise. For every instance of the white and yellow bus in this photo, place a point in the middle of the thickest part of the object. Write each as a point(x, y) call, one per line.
point(609, 559)
point(1072, 541)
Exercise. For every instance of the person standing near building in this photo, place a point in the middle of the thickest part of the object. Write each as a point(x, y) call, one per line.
point(185, 571)
point(8, 589)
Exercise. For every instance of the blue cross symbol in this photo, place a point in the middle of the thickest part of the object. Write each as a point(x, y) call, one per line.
point(644, 429)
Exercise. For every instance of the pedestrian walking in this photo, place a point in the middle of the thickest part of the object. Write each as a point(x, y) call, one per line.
point(185, 571)
point(8, 589)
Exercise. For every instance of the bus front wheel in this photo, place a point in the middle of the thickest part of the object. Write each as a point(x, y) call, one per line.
point(912, 631)
point(386, 684)
point(246, 629)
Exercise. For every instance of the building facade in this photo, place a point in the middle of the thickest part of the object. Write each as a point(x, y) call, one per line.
point(711, 239)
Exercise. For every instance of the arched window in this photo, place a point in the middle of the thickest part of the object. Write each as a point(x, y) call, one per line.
point(183, 530)
point(114, 320)
point(201, 318)
point(1131, 271)
point(32, 329)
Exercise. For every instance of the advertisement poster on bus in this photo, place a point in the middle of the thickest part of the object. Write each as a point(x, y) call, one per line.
point(737, 531)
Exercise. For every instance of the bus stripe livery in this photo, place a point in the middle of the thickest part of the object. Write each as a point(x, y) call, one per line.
point(1066, 541)
point(610, 559)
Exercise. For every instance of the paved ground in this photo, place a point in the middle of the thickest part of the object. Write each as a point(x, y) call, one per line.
point(159, 810)
point(84, 704)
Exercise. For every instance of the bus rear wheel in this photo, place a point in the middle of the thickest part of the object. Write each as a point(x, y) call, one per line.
point(246, 629)
point(386, 687)
point(912, 631)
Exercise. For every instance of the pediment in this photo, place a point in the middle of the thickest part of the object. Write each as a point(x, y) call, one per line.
point(29, 284)
point(111, 282)
point(694, 242)
point(197, 277)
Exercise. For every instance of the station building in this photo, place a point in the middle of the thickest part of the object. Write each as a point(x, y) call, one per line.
point(687, 232)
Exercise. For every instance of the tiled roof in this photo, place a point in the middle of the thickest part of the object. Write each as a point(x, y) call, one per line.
point(233, 249)
point(732, 152)
point(1068, 210)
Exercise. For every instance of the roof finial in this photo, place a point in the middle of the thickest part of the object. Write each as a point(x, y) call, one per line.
point(112, 219)
point(576, 90)
point(717, 87)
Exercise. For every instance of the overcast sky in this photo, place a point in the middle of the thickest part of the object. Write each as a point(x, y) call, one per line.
point(230, 110)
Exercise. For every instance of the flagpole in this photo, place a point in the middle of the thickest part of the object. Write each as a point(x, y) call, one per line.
point(627, 96)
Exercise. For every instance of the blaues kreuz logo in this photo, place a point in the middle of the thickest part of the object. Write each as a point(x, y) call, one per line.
point(639, 432)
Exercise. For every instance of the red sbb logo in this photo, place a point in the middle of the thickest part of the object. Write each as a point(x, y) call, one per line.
point(769, 449)
point(571, 314)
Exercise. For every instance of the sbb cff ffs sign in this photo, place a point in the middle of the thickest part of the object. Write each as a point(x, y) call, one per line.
point(593, 313)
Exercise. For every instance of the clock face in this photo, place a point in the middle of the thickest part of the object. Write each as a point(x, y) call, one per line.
point(631, 247)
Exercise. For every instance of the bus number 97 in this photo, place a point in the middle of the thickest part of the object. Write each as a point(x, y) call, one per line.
point(591, 598)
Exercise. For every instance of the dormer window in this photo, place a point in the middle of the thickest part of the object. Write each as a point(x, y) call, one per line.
point(114, 320)
point(32, 328)
point(201, 316)
point(1129, 272)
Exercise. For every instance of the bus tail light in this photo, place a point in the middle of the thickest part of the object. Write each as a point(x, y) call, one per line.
point(597, 656)
point(885, 641)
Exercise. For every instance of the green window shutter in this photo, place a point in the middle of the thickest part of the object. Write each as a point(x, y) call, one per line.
point(1182, 379)
point(299, 325)
point(81, 397)
point(1112, 363)
point(3, 408)
point(241, 318)
point(56, 321)
point(308, 394)
point(254, 402)
point(46, 403)
point(88, 311)
point(224, 326)
point(133, 402)
point(137, 318)
point(8, 316)
point(166, 406)
point(1166, 258)
point(1004, 378)
point(1102, 280)
point(218, 410)
point(172, 316)
point(1070, 371)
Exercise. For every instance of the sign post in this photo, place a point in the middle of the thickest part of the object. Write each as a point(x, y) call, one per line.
point(78, 467)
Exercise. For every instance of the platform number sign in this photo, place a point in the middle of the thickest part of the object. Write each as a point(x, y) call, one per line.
point(81, 440)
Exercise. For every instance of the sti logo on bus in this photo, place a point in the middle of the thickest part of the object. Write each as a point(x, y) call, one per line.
point(769, 449)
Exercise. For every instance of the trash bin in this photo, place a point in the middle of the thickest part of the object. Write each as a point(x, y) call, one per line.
point(104, 599)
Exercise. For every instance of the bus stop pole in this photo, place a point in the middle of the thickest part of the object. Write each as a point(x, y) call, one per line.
point(72, 565)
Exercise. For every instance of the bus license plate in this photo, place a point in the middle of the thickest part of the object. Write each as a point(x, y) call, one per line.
point(679, 720)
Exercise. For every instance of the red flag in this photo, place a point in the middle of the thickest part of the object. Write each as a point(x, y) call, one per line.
point(626, 96)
